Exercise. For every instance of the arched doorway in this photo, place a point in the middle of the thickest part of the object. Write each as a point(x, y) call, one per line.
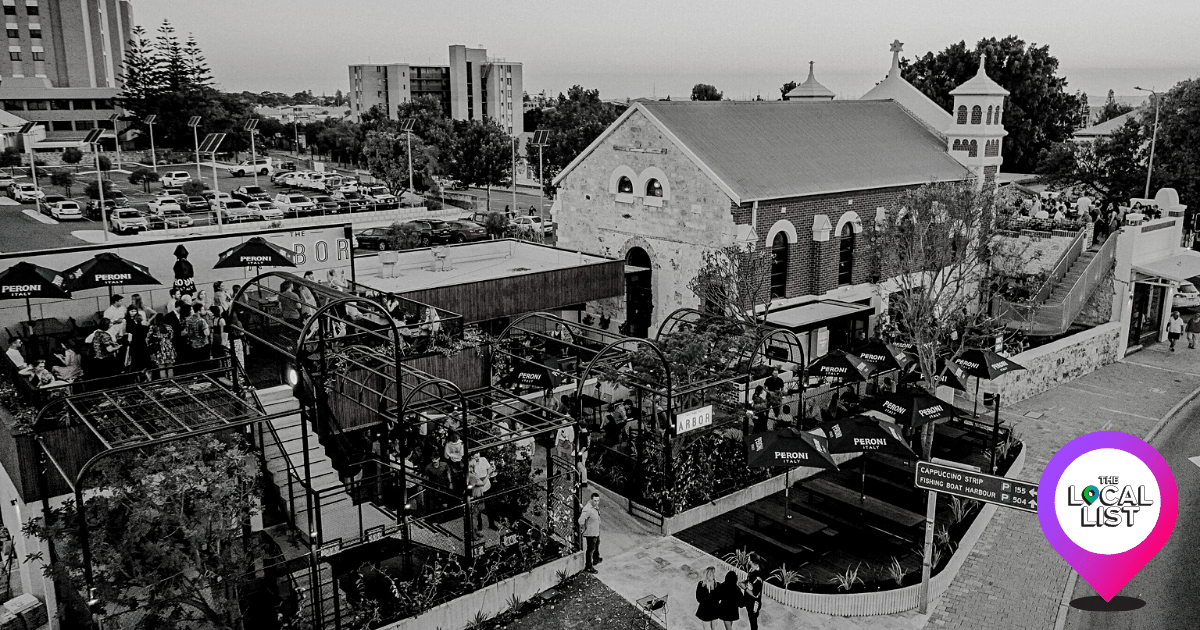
point(639, 293)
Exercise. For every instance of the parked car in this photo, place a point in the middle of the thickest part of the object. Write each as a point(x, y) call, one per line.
point(170, 218)
point(175, 179)
point(294, 205)
point(46, 202)
point(162, 202)
point(346, 185)
point(118, 198)
point(433, 231)
point(325, 204)
point(374, 238)
point(234, 211)
point(264, 211)
point(6, 180)
point(462, 231)
point(357, 202)
point(195, 203)
point(531, 225)
point(298, 179)
point(66, 209)
point(381, 196)
point(247, 194)
point(1186, 296)
point(278, 176)
point(127, 220)
point(177, 193)
point(262, 166)
point(92, 209)
point(218, 198)
point(27, 193)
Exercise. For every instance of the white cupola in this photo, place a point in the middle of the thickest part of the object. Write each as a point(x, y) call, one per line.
point(977, 134)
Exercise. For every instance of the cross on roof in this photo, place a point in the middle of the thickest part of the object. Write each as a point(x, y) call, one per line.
point(897, 46)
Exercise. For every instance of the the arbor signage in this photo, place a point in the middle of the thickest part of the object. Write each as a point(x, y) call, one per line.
point(694, 419)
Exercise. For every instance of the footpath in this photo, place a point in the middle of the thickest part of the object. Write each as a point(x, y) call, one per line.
point(1012, 579)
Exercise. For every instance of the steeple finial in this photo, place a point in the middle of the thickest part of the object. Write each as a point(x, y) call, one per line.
point(982, 62)
point(897, 46)
point(810, 72)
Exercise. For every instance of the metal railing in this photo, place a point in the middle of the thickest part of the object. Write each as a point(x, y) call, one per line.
point(1026, 312)
point(1059, 315)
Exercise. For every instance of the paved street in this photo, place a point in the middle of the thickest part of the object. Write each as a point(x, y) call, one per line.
point(1014, 579)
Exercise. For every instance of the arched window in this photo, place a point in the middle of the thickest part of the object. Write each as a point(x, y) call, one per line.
point(779, 265)
point(962, 114)
point(996, 119)
point(624, 185)
point(973, 149)
point(846, 255)
point(989, 115)
point(957, 145)
point(653, 188)
point(976, 115)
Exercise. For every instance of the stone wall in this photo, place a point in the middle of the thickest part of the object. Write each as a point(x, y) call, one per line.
point(1064, 360)
point(1099, 308)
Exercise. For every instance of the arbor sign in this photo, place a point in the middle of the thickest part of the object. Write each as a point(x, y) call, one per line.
point(694, 419)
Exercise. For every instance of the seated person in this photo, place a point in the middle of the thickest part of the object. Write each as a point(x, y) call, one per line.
point(15, 355)
point(432, 324)
point(785, 419)
point(42, 376)
point(66, 364)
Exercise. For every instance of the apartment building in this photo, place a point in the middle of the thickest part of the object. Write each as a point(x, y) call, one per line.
point(389, 85)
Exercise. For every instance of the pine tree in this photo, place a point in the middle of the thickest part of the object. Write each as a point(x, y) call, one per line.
point(173, 66)
point(139, 81)
point(197, 66)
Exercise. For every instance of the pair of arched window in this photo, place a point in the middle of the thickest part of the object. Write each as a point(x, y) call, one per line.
point(653, 187)
point(992, 148)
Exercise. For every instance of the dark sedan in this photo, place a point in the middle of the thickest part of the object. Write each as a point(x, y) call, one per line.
point(433, 231)
point(463, 231)
point(374, 238)
point(326, 205)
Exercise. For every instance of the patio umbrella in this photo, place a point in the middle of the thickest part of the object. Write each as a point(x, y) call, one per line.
point(107, 270)
point(985, 364)
point(842, 366)
point(860, 434)
point(884, 355)
point(27, 280)
point(788, 447)
point(949, 374)
point(257, 252)
point(915, 409)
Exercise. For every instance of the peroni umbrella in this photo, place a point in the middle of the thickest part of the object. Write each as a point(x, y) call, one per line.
point(914, 409)
point(985, 364)
point(862, 434)
point(255, 252)
point(884, 355)
point(788, 447)
point(843, 366)
point(948, 372)
point(107, 270)
point(26, 280)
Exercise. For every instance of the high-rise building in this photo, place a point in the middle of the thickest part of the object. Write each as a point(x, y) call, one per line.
point(473, 87)
point(64, 62)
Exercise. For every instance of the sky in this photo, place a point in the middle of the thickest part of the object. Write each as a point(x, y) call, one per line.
point(631, 48)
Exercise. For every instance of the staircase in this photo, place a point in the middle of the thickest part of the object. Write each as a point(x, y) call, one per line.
point(333, 604)
point(1067, 290)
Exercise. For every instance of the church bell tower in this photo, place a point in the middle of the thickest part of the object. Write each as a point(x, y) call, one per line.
point(976, 136)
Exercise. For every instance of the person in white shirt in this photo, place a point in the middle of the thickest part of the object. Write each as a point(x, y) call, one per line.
point(116, 308)
point(482, 470)
point(18, 359)
point(1175, 327)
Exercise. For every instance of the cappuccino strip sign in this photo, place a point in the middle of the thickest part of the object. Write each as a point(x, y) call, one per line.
point(972, 485)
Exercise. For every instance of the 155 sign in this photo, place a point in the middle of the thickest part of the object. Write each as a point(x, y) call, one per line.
point(694, 419)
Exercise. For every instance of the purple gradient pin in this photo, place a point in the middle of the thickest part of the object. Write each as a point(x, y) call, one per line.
point(1107, 504)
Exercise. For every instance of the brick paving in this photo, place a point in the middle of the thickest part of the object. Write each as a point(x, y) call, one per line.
point(1013, 579)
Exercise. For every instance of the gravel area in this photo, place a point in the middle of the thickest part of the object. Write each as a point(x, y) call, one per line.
point(584, 603)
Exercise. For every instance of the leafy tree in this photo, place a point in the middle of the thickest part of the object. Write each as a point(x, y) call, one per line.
point(574, 122)
point(938, 247)
point(734, 282)
point(1112, 109)
point(705, 92)
point(92, 190)
point(10, 158)
point(1113, 169)
point(65, 179)
point(1038, 111)
point(193, 188)
point(195, 64)
point(495, 223)
point(481, 155)
point(339, 139)
point(387, 158)
point(787, 87)
point(173, 70)
point(403, 236)
point(1177, 148)
point(71, 155)
point(143, 177)
point(166, 534)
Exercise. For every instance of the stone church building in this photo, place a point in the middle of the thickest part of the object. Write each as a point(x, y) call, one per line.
point(669, 180)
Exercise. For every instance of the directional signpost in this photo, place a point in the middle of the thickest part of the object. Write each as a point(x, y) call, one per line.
point(968, 484)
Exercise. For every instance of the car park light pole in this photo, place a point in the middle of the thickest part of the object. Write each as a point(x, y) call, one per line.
point(251, 125)
point(406, 125)
point(93, 139)
point(26, 133)
point(516, 210)
point(211, 142)
point(194, 123)
point(149, 120)
point(1153, 138)
point(539, 140)
point(116, 119)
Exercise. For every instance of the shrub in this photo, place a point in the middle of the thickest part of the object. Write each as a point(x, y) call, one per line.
point(193, 187)
point(143, 177)
point(403, 236)
point(71, 155)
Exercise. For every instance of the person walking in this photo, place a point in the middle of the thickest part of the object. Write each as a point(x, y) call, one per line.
point(730, 597)
point(752, 590)
point(708, 599)
point(1193, 330)
point(589, 520)
point(1175, 328)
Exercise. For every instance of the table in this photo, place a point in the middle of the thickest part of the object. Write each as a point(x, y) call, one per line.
point(48, 329)
point(875, 507)
point(799, 523)
point(950, 432)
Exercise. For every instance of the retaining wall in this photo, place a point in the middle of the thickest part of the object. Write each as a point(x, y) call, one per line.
point(1058, 362)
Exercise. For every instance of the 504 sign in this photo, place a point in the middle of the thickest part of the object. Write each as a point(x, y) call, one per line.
point(694, 419)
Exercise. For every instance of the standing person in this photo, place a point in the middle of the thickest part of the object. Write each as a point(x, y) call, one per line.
point(220, 333)
point(752, 593)
point(289, 303)
point(475, 487)
point(482, 469)
point(105, 349)
point(160, 343)
point(774, 385)
point(589, 521)
point(197, 335)
point(137, 330)
point(1193, 330)
point(174, 320)
point(453, 452)
point(1175, 328)
point(221, 297)
point(708, 599)
point(438, 473)
point(136, 302)
point(730, 597)
point(116, 308)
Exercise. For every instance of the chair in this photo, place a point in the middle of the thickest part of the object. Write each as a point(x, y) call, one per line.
point(441, 259)
point(387, 262)
point(653, 608)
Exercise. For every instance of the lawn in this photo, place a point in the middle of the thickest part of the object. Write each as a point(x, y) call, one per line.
point(584, 603)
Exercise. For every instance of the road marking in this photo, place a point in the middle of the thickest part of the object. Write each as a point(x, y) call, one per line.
point(1126, 413)
point(1090, 392)
point(39, 217)
point(1155, 367)
point(1194, 460)
point(1107, 426)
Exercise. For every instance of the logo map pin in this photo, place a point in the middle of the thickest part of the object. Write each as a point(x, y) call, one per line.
point(1109, 504)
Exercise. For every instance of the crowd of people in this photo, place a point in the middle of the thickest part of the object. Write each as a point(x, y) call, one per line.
point(722, 601)
point(1063, 212)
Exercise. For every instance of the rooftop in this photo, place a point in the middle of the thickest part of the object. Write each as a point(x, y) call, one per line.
point(1107, 127)
point(980, 84)
point(810, 89)
point(894, 87)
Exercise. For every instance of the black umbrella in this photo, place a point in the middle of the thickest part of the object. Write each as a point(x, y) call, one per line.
point(788, 447)
point(533, 375)
point(915, 409)
point(26, 280)
point(860, 434)
point(107, 270)
point(985, 364)
point(256, 252)
point(842, 366)
point(884, 355)
point(949, 374)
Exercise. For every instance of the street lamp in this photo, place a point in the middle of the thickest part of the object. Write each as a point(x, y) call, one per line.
point(540, 138)
point(26, 132)
point(406, 125)
point(516, 209)
point(116, 119)
point(251, 125)
point(194, 123)
point(93, 139)
point(211, 142)
point(149, 121)
point(1153, 138)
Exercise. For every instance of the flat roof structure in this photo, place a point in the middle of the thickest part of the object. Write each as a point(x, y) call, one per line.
point(812, 315)
point(491, 279)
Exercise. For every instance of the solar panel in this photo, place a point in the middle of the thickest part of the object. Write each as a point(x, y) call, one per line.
point(194, 121)
point(406, 124)
point(540, 137)
point(149, 120)
point(251, 124)
point(211, 142)
point(27, 128)
point(93, 136)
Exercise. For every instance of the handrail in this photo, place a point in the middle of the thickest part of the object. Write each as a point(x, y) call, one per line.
point(1060, 269)
point(287, 461)
point(1062, 313)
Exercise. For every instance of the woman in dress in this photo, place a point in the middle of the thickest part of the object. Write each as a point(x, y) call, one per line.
point(708, 599)
point(752, 590)
point(220, 296)
point(730, 598)
point(161, 344)
point(137, 330)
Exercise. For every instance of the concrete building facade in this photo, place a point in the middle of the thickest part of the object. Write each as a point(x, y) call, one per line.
point(64, 63)
point(390, 85)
